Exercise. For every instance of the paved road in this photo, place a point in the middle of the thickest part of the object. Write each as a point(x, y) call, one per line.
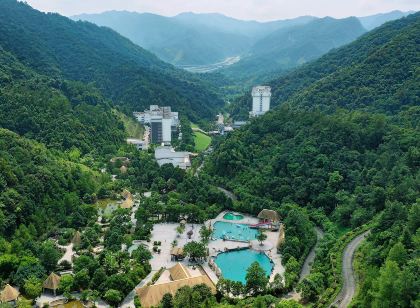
point(306, 268)
point(346, 294)
point(228, 193)
point(307, 265)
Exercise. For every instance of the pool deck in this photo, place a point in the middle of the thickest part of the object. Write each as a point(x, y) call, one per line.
point(217, 246)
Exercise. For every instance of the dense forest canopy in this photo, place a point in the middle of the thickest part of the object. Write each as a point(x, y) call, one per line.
point(61, 114)
point(124, 72)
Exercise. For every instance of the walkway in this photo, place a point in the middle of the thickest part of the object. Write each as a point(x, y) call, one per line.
point(348, 290)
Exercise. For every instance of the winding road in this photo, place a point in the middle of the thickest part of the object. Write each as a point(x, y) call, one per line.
point(228, 193)
point(348, 290)
point(306, 268)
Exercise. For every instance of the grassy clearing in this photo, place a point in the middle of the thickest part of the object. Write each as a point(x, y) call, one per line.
point(201, 141)
point(133, 128)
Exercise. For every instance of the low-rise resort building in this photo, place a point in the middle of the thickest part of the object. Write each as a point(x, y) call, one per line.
point(167, 155)
point(179, 276)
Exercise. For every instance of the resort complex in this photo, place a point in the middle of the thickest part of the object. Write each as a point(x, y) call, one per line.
point(233, 245)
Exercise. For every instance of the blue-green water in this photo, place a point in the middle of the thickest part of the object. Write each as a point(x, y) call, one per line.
point(232, 216)
point(234, 264)
point(232, 231)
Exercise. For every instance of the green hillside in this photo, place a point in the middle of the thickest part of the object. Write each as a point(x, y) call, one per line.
point(59, 113)
point(344, 149)
point(125, 73)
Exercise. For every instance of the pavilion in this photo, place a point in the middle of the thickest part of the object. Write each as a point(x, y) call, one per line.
point(9, 295)
point(52, 282)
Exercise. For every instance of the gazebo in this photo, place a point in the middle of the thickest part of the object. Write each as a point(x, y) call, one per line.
point(177, 253)
point(269, 217)
point(52, 282)
point(9, 295)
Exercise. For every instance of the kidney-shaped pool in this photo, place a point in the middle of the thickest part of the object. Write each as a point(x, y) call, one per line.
point(234, 264)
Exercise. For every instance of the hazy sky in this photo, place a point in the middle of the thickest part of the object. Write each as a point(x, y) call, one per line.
point(242, 9)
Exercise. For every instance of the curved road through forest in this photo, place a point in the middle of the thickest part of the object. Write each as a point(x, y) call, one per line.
point(346, 294)
point(228, 193)
point(306, 268)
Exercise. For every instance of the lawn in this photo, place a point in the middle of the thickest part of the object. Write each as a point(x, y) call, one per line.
point(201, 141)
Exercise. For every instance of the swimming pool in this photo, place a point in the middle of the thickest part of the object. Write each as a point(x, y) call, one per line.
point(232, 216)
point(234, 264)
point(232, 231)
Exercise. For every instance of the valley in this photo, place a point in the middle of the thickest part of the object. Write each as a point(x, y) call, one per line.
point(198, 160)
point(208, 68)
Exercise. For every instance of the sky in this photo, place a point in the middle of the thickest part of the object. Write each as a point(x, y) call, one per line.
point(262, 10)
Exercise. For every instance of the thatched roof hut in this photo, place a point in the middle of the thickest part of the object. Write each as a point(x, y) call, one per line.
point(9, 294)
point(269, 215)
point(177, 251)
point(52, 282)
point(77, 238)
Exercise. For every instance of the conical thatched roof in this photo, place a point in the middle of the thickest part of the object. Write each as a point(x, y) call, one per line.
point(8, 294)
point(76, 239)
point(269, 215)
point(52, 282)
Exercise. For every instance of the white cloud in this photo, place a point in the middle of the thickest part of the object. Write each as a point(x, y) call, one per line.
point(242, 9)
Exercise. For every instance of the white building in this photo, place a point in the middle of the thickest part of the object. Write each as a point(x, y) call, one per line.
point(261, 97)
point(138, 143)
point(162, 122)
point(167, 155)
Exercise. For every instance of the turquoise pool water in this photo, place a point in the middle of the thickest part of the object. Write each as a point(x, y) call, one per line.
point(232, 231)
point(234, 264)
point(232, 216)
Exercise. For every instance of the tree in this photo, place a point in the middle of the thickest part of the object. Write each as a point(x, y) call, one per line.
point(205, 233)
point(398, 253)
point(81, 279)
point(49, 256)
point(113, 297)
point(141, 254)
point(256, 279)
point(32, 287)
point(180, 229)
point(387, 287)
point(167, 301)
point(66, 283)
point(288, 303)
point(195, 250)
point(261, 236)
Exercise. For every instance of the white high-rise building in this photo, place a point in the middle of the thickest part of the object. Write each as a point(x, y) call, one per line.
point(162, 122)
point(261, 97)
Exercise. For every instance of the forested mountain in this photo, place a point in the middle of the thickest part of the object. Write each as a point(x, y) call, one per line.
point(289, 47)
point(40, 190)
point(125, 73)
point(253, 30)
point(171, 40)
point(188, 38)
point(373, 21)
point(344, 147)
point(59, 113)
point(373, 52)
